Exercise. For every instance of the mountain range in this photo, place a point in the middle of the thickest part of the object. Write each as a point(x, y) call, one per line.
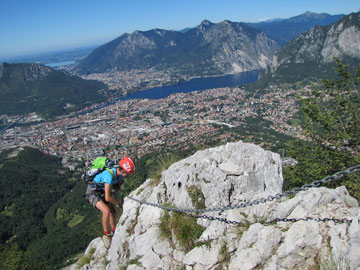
point(207, 49)
point(26, 88)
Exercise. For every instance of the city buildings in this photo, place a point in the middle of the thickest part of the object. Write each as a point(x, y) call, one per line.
point(136, 127)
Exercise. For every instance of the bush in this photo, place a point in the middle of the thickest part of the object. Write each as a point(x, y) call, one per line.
point(162, 163)
point(183, 227)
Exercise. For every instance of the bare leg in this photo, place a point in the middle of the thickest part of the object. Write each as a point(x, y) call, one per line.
point(106, 215)
point(112, 216)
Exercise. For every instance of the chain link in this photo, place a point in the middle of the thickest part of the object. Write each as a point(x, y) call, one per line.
point(227, 221)
point(277, 196)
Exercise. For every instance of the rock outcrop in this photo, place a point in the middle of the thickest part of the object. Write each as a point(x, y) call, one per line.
point(227, 176)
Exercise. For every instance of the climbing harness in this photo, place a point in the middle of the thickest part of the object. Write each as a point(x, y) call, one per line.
point(316, 183)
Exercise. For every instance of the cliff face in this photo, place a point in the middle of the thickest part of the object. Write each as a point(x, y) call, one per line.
point(228, 176)
point(319, 45)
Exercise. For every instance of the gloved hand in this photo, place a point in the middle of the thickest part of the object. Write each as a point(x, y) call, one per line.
point(120, 206)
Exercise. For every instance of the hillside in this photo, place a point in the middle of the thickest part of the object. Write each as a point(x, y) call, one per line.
point(38, 212)
point(208, 49)
point(282, 31)
point(272, 234)
point(26, 88)
point(311, 55)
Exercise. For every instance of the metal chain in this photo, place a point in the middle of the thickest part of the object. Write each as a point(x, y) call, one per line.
point(316, 183)
point(227, 221)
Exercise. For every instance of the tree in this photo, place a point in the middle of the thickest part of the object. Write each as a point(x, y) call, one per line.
point(332, 111)
point(13, 258)
point(332, 122)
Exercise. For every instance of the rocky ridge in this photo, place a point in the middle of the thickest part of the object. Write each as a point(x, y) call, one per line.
point(208, 49)
point(229, 175)
point(319, 45)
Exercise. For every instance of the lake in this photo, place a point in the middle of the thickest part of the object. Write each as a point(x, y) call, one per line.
point(59, 64)
point(196, 85)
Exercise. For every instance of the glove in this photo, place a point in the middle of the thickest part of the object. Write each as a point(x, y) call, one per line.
point(120, 206)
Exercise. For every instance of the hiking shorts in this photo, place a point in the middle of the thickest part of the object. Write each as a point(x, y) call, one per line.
point(94, 196)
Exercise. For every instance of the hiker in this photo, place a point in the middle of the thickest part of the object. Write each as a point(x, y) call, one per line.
point(100, 194)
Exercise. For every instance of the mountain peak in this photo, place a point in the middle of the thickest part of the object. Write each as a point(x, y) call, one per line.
point(309, 13)
point(226, 22)
point(206, 23)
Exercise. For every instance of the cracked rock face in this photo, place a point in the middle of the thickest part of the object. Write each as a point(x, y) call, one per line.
point(321, 44)
point(227, 176)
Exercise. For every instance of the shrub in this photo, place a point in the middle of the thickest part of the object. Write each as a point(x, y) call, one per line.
point(86, 258)
point(161, 164)
point(183, 227)
point(186, 230)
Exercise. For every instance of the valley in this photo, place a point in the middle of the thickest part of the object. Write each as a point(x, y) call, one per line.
point(139, 126)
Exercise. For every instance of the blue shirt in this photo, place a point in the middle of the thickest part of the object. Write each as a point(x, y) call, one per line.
point(106, 177)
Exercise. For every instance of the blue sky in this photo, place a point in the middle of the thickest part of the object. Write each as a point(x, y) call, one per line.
point(33, 26)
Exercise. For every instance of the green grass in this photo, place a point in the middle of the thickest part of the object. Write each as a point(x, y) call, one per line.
point(77, 219)
point(9, 211)
point(86, 258)
point(60, 214)
point(197, 197)
point(131, 228)
point(224, 255)
point(164, 226)
point(241, 228)
point(331, 263)
point(206, 243)
point(133, 261)
point(183, 227)
point(161, 164)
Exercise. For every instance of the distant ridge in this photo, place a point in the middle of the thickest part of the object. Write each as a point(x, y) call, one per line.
point(205, 50)
point(284, 30)
point(208, 49)
point(26, 88)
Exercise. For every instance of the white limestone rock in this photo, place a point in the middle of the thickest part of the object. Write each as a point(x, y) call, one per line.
point(227, 176)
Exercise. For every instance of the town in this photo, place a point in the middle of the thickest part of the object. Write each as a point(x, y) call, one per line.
point(136, 127)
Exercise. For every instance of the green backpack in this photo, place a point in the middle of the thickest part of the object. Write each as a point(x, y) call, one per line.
point(98, 165)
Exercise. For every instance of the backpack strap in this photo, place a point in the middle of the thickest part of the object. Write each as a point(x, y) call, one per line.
point(111, 172)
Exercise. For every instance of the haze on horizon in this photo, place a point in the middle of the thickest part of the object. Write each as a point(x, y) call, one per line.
point(37, 26)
